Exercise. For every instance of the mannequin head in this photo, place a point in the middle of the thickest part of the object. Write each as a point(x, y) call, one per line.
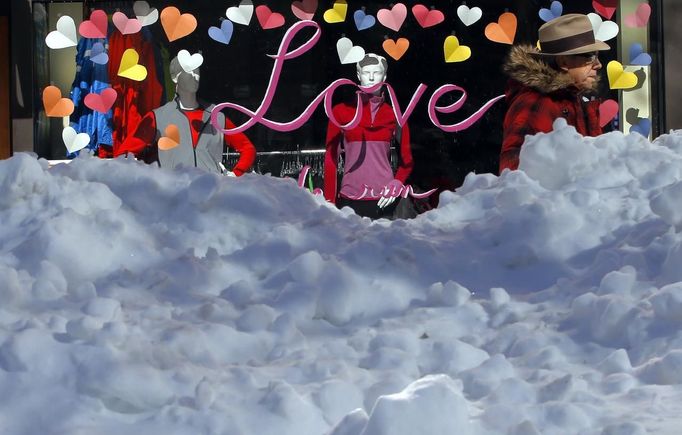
point(185, 82)
point(372, 70)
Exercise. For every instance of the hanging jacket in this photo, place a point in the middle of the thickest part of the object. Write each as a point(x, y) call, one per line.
point(201, 145)
point(367, 167)
point(536, 95)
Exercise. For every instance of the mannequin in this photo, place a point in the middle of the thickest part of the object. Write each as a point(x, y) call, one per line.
point(201, 145)
point(368, 184)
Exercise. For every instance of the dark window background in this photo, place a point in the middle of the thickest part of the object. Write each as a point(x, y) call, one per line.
point(239, 72)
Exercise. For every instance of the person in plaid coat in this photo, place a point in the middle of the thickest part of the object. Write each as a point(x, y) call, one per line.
point(551, 82)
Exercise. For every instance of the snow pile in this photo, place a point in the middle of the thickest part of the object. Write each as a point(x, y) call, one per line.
point(546, 300)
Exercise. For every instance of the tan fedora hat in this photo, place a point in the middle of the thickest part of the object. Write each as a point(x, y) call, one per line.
point(569, 34)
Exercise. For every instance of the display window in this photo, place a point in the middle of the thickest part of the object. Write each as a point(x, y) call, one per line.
point(427, 46)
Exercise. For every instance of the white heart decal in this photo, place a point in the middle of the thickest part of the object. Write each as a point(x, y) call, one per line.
point(73, 140)
point(65, 35)
point(241, 14)
point(189, 62)
point(469, 16)
point(348, 53)
point(603, 30)
point(144, 14)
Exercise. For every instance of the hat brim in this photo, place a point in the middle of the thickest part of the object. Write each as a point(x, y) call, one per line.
point(597, 46)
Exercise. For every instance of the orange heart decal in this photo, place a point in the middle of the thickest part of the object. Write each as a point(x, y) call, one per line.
point(396, 49)
point(177, 25)
point(55, 105)
point(170, 139)
point(504, 31)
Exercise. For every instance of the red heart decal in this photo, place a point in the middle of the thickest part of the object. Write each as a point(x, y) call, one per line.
point(607, 111)
point(269, 19)
point(427, 17)
point(96, 26)
point(304, 10)
point(605, 8)
point(101, 102)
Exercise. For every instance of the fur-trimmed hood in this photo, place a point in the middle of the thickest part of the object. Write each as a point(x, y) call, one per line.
point(532, 72)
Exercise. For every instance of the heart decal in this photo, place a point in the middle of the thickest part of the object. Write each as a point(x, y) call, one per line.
point(643, 127)
point(73, 140)
point(55, 105)
point(396, 49)
point(640, 18)
point(129, 68)
point(605, 8)
point(101, 102)
point(603, 30)
point(125, 25)
point(638, 56)
point(469, 16)
point(241, 14)
point(607, 111)
point(504, 30)
point(268, 19)
point(363, 21)
point(349, 53)
point(65, 36)
point(177, 25)
point(98, 55)
point(337, 14)
point(555, 10)
point(144, 13)
point(305, 9)
point(189, 62)
point(222, 34)
point(96, 26)
point(454, 52)
point(427, 17)
point(170, 138)
point(618, 78)
point(393, 18)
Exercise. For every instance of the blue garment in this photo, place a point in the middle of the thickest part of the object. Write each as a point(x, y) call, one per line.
point(90, 77)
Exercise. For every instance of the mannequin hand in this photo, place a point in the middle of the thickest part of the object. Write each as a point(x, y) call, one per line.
point(385, 201)
point(390, 193)
point(229, 174)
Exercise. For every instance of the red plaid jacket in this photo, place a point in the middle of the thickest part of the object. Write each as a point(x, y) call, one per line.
point(536, 96)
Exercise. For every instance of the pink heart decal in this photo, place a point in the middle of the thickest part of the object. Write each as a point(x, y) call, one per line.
point(304, 10)
point(96, 26)
point(101, 102)
point(605, 8)
point(125, 25)
point(607, 111)
point(641, 16)
point(269, 19)
point(393, 18)
point(427, 17)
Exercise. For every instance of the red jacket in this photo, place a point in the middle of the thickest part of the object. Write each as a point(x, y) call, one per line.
point(537, 95)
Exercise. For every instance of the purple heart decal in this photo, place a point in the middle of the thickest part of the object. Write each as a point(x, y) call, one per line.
point(643, 127)
point(555, 10)
point(98, 55)
point(362, 20)
point(638, 56)
point(222, 34)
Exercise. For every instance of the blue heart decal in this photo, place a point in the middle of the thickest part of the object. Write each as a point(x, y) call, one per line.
point(643, 127)
point(638, 56)
point(362, 20)
point(222, 35)
point(98, 55)
point(554, 11)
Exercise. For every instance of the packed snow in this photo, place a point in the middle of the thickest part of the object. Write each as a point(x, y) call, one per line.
point(544, 301)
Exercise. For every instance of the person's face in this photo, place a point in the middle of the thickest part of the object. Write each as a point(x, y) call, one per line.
point(189, 82)
point(370, 75)
point(582, 68)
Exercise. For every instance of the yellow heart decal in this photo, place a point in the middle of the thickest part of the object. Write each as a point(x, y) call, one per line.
point(337, 14)
point(129, 67)
point(455, 52)
point(618, 78)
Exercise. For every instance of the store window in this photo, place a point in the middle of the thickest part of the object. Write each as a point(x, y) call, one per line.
point(236, 68)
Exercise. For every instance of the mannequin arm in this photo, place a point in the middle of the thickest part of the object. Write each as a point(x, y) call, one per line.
point(331, 159)
point(242, 144)
point(144, 134)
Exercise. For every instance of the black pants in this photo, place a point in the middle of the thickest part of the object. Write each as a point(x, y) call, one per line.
point(369, 208)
